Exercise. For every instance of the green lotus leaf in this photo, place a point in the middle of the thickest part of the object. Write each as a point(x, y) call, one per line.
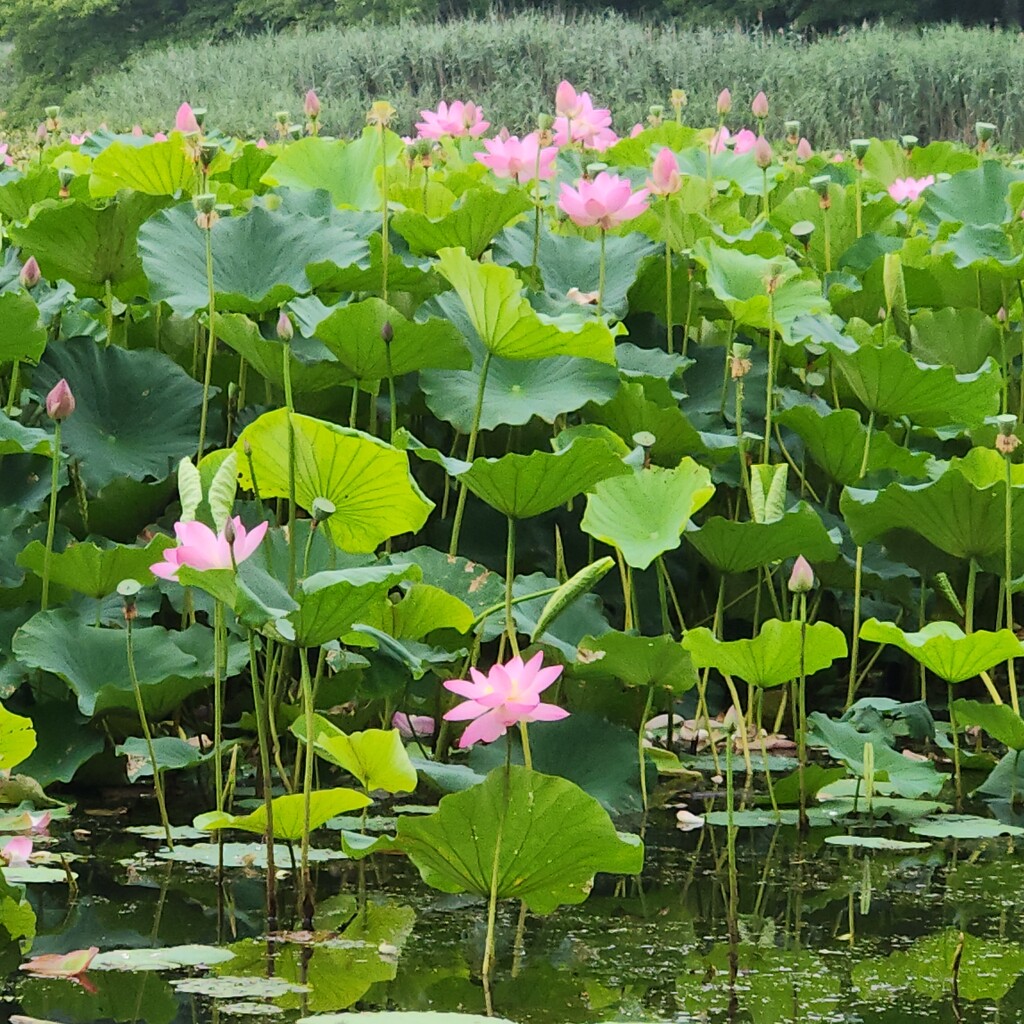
point(945, 650)
point(734, 547)
point(423, 609)
point(566, 262)
point(93, 570)
point(17, 197)
point(740, 280)
point(890, 381)
point(376, 757)
point(521, 486)
point(636, 661)
point(517, 390)
point(369, 482)
point(259, 259)
point(172, 754)
point(506, 322)
point(94, 663)
point(631, 412)
point(289, 813)
point(836, 439)
point(989, 968)
point(1000, 721)
point(479, 214)
point(554, 839)
point(90, 246)
point(413, 275)
point(964, 826)
point(311, 365)
point(472, 583)
point(352, 333)
point(644, 514)
point(17, 439)
point(136, 413)
point(161, 169)
point(984, 248)
point(771, 658)
point(249, 165)
point(347, 170)
point(17, 739)
point(24, 334)
point(978, 196)
point(911, 779)
point(167, 958)
point(881, 843)
point(961, 338)
point(64, 742)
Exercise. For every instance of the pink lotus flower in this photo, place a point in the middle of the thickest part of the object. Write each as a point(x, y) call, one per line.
point(665, 178)
point(724, 103)
point(903, 189)
point(742, 142)
point(591, 126)
point(759, 108)
point(637, 129)
point(801, 579)
point(30, 275)
point(6, 160)
point(507, 695)
point(762, 152)
point(77, 140)
point(458, 120)
point(517, 158)
point(607, 201)
point(137, 131)
point(185, 120)
point(803, 150)
point(160, 137)
point(16, 851)
point(261, 143)
point(60, 402)
point(200, 548)
point(413, 726)
point(568, 102)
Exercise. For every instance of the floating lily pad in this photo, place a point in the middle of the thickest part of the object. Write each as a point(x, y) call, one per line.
point(964, 826)
point(167, 958)
point(883, 843)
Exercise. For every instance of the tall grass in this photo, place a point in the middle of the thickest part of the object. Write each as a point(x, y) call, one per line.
point(932, 82)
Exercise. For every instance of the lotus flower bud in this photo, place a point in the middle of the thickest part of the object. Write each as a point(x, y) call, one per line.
point(285, 330)
point(859, 148)
point(311, 105)
point(759, 108)
point(60, 402)
point(762, 152)
point(42, 134)
point(665, 177)
point(803, 150)
point(724, 104)
point(387, 332)
point(801, 579)
point(567, 101)
point(185, 120)
point(30, 275)
point(137, 131)
point(1001, 314)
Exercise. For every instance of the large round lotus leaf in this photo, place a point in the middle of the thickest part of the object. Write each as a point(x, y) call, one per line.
point(24, 335)
point(93, 570)
point(1000, 721)
point(369, 482)
point(94, 663)
point(944, 649)
point(554, 839)
point(478, 216)
point(259, 259)
point(977, 196)
point(517, 390)
point(172, 754)
point(160, 169)
point(835, 441)
point(17, 738)
point(289, 813)
point(471, 582)
point(961, 338)
point(733, 547)
point(91, 245)
point(166, 958)
point(771, 658)
point(136, 412)
point(567, 262)
point(18, 196)
point(311, 365)
point(352, 333)
point(406, 273)
point(64, 742)
point(636, 661)
point(347, 170)
point(740, 280)
point(911, 779)
point(505, 321)
point(644, 514)
point(890, 381)
point(521, 486)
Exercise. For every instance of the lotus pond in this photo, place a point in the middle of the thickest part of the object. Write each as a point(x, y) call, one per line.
point(560, 578)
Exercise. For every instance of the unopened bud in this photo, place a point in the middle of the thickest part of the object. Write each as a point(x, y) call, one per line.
point(801, 579)
point(60, 402)
point(29, 276)
point(230, 533)
point(387, 332)
point(42, 134)
point(311, 105)
point(724, 103)
point(759, 108)
point(762, 153)
point(285, 331)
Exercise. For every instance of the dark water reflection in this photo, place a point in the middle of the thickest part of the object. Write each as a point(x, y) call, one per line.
point(824, 933)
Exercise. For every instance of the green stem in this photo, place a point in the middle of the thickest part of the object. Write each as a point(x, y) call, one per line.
point(218, 700)
point(460, 508)
point(860, 199)
point(307, 777)
point(353, 409)
point(972, 585)
point(510, 573)
point(51, 523)
point(770, 384)
point(158, 785)
point(1011, 669)
point(800, 713)
point(260, 710)
point(524, 736)
point(858, 573)
point(211, 344)
point(392, 404)
point(538, 208)
point(385, 248)
point(867, 445)
point(12, 395)
point(109, 299)
point(492, 902)
point(600, 274)
point(954, 732)
point(669, 340)
point(292, 505)
point(641, 752)
point(827, 226)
